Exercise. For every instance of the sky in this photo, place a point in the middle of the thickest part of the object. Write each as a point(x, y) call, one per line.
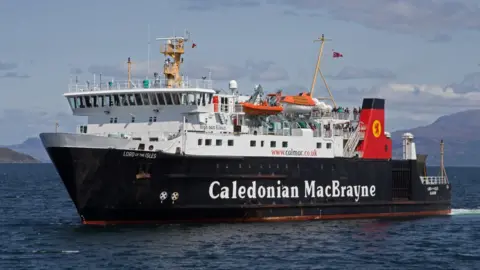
point(420, 55)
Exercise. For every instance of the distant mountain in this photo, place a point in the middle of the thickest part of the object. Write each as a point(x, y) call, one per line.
point(460, 132)
point(32, 147)
point(10, 156)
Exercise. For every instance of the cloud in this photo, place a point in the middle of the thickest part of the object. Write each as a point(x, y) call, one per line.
point(76, 71)
point(7, 65)
point(412, 99)
point(14, 75)
point(10, 74)
point(348, 73)
point(441, 38)
point(266, 71)
point(32, 123)
point(470, 83)
point(254, 70)
point(405, 16)
point(204, 5)
point(428, 18)
point(290, 13)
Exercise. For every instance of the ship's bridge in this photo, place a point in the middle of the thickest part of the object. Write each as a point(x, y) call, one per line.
point(116, 99)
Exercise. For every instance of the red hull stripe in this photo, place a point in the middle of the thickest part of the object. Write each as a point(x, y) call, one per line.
point(276, 219)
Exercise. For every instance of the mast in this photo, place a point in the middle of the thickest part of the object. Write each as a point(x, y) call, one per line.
point(129, 71)
point(173, 50)
point(443, 173)
point(148, 52)
point(322, 39)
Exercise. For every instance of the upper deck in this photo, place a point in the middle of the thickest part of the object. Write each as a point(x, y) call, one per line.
point(130, 86)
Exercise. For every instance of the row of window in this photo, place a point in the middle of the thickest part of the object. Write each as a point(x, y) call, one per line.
point(253, 143)
point(150, 119)
point(139, 99)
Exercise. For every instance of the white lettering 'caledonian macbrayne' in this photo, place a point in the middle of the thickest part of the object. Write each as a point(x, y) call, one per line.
point(254, 191)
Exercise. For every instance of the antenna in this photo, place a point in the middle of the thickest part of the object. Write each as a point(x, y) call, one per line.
point(148, 53)
point(322, 39)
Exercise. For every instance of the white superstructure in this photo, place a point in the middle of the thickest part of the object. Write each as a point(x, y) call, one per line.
point(176, 114)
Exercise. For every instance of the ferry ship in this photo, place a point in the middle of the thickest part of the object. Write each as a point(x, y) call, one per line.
point(175, 150)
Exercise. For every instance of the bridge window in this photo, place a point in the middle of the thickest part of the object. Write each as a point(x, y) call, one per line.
point(190, 99)
point(154, 119)
point(176, 98)
point(133, 119)
point(153, 98)
point(88, 102)
point(197, 99)
point(71, 100)
point(123, 100)
point(101, 101)
point(77, 102)
point(210, 97)
point(116, 99)
point(82, 102)
point(138, 99)
point(131, 100)
point(108, 100)
point(146, 101)
point(161, 99)
point(168, 99)
point(183, 98)
point(154, 139)
point(150, 119)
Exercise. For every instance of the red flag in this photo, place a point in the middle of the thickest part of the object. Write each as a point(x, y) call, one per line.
point(337, 55)
point(194, 45)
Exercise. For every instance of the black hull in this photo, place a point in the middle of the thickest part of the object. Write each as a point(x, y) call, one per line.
point(107, 187)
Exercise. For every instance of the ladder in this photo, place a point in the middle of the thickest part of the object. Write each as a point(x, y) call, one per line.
point(222, 118)
point(352, 142)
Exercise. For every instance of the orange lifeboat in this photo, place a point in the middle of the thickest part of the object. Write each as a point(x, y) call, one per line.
point(261, 109)
point(302, 103)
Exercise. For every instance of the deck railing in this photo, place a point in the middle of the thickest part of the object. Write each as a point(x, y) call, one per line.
point(137, 84)
point(434, 180)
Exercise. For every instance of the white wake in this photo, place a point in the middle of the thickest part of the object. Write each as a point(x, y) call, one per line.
point(464, 211)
